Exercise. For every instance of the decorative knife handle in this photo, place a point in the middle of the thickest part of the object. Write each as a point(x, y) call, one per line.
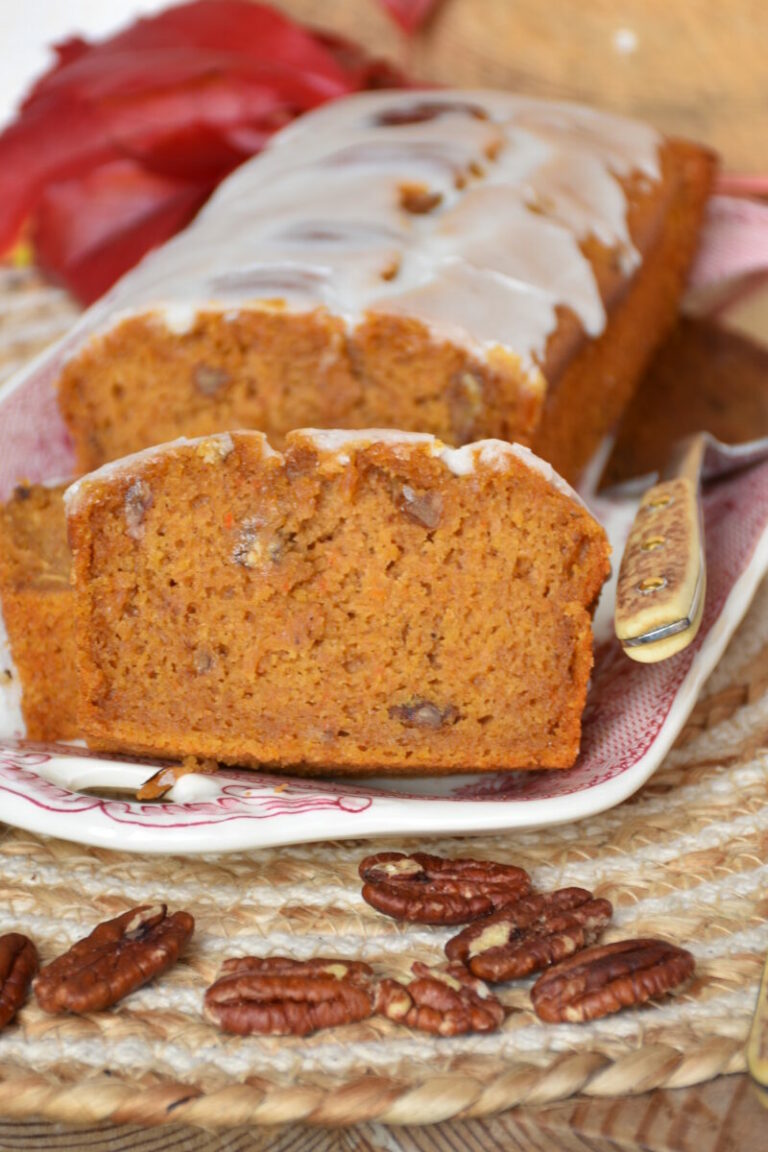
point(662, 578)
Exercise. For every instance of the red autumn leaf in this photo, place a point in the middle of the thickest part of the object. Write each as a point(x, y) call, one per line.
point(30, 152)
point(191, 39)
point(66, 52)
point(184, 96)
point(88, 232)
point(153, 125)
point(411, 15)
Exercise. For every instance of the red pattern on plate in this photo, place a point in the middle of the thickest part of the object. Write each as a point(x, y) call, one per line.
point(244, 795)
point(628, 705)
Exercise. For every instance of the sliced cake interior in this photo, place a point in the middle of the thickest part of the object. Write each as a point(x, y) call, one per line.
point(365, 601)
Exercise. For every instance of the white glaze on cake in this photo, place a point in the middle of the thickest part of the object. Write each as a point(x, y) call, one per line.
point(338, 445)
point(338, 441)
point(317, 221)
point(127, 466)
point(496, 454)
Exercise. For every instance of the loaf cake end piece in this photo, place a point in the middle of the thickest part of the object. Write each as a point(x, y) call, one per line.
point(38, 609)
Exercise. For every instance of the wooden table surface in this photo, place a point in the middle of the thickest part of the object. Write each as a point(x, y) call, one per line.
point(695, 67)
point(692, 67)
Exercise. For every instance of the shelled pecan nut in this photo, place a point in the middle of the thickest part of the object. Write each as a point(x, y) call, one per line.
point(429, 889)
point(119, 956)
point(530, 935)
point(278, 996)
point(608, 978)
point(446, 1000)
point(18, 965)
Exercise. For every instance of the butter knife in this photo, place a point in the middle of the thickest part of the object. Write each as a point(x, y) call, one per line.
point(661, 589)
point(663, 577)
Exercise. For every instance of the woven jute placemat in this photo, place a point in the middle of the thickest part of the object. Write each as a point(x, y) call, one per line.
point(686, 859)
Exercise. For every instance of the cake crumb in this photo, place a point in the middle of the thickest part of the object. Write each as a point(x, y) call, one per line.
point(165, 779)
point(215, 449)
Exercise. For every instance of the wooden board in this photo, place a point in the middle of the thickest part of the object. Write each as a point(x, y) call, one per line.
point(696, 67)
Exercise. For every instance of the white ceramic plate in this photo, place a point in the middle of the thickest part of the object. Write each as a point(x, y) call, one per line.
point(634, 711)
point(633, 715)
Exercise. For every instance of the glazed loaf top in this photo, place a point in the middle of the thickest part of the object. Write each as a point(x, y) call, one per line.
point(479, 213)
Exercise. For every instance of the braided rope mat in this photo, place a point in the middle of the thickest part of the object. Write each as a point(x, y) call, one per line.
point(686, 858)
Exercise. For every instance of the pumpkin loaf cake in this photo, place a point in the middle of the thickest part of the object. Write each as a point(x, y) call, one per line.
point(471, 264)
point(38, 609)
point(368, 601)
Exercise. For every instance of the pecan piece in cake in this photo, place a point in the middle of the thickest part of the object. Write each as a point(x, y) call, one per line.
point(117, 958)
point(424, 508)
point(256, 546)
point(421, 713)
point(610, 977)
point(446, 1000)
point(465, 397)
point(138, 501)
point(18, 965)
point(209, 379)
point(532, 934)
point(432, 890)
point(278, 996)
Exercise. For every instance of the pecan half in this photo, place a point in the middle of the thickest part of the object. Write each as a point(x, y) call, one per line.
point(18, 964)
point(119, 956)
point(530, 935)
point(608, 978)
point(277, 996)
point(432, 890)
point(445, 1000)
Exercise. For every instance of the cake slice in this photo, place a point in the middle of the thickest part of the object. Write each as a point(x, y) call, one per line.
point(38, 609)
point(369, 601)
point(471, 264)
